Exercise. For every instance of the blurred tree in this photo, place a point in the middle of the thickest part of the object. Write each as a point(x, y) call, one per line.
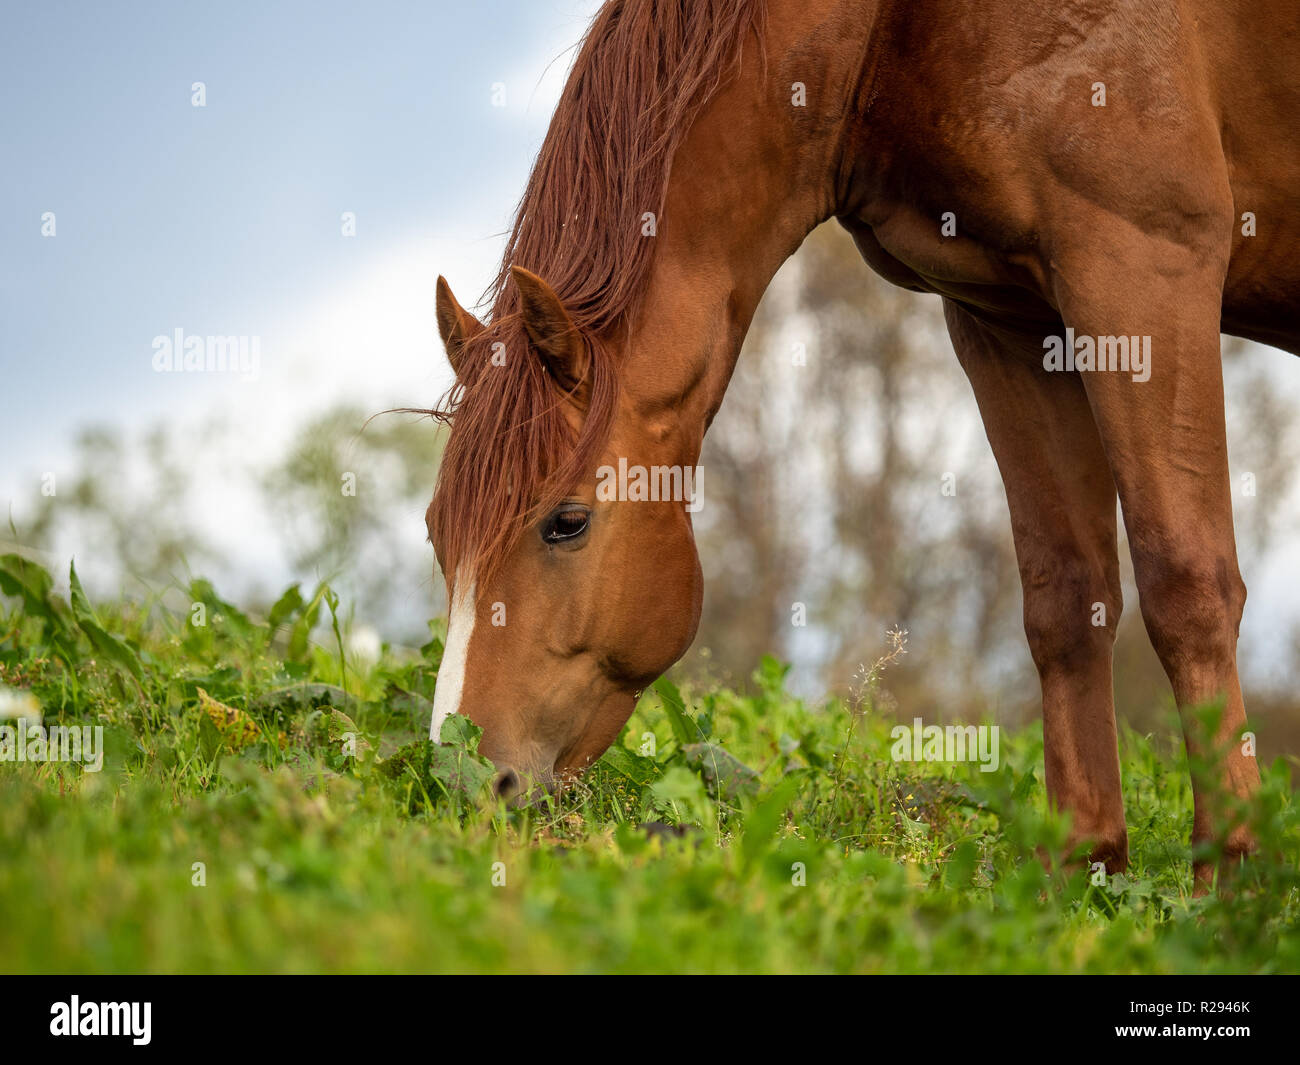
point(127, 506)
point(346, 500)
point(848, 472)
point(349, 497)
point(845, 473)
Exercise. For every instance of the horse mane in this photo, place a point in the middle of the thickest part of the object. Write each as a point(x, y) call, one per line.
point(644, 70)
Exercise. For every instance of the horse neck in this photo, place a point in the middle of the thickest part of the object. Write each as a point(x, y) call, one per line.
point(757, 172)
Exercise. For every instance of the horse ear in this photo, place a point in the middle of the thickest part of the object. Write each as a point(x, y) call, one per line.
point(456, 325)
point(553, 333)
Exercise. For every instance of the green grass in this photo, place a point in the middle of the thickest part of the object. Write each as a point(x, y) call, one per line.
point(333, 838)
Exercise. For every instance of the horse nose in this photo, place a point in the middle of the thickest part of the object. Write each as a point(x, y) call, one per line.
point(505, 784)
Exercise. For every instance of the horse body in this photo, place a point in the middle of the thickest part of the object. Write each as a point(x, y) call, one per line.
point(1039, 170)
point(991, 113)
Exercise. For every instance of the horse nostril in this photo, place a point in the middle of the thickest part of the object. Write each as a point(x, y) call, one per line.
point(505, 784)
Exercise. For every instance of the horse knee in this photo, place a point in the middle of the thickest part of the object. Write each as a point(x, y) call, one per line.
point(1072, 607)
point(1192, 609)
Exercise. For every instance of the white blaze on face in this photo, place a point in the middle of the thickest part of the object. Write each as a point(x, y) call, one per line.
point(451, 674)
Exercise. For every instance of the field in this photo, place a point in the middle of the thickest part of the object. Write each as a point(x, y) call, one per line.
point(267, 803)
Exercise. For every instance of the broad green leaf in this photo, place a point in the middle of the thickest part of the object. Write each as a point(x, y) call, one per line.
point(117, 652)
point(674, 707)
point(765, 818)
point(460, 731)
point(460, 771)
point(682, 791)
point(285, 606)
point(960, 869)
point(300, 634)
point(227, 614)
point(637, 768)
point(29, 582)
point(726, 776)
point(1024, 786)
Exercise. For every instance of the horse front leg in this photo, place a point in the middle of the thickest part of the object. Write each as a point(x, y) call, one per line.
point(1162, 426)
point(1062, 502)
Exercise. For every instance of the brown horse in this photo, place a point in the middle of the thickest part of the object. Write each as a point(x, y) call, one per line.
point(1128, 170)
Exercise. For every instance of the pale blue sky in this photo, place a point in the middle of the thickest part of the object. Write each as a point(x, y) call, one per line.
point(225, 219)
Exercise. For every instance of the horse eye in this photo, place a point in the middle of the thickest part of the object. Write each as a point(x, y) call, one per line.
point(566, 524)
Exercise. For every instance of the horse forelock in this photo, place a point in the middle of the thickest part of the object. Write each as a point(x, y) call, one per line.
point(513, 452)
point(644, 70)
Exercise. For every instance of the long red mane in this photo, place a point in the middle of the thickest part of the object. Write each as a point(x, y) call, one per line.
point(644, 70)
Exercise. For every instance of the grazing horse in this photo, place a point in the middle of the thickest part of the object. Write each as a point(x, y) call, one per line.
point(1095, 189)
